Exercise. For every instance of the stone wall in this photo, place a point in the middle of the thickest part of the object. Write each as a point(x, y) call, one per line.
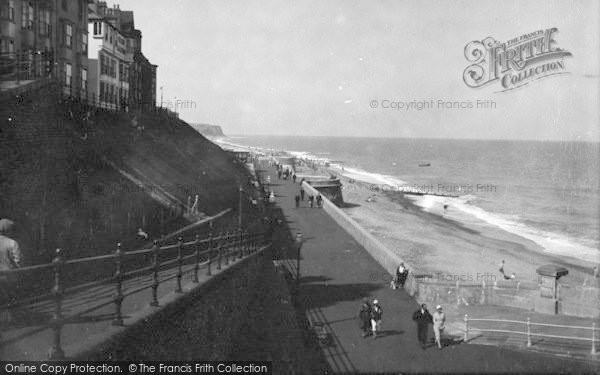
point(201, 323)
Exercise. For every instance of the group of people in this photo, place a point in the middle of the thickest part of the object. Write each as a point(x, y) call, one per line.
point(423, 318)
point(311, 199)
point(285, 174)
point(370, 315)
point(370, 318)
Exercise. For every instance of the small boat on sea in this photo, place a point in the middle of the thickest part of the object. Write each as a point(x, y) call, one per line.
point(425, 165)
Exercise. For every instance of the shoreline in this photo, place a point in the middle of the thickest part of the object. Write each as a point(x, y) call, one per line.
point(437, 243)
point(471, 251)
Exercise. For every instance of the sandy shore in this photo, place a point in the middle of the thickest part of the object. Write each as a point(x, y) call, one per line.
point(433, 243)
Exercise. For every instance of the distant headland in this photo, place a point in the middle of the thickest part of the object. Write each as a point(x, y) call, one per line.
point(209, 130)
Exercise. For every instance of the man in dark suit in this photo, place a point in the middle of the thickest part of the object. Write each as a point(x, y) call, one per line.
point(422, 317)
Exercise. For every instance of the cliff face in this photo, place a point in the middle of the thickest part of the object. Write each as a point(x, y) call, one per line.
point(209, 130)
point(63, 179)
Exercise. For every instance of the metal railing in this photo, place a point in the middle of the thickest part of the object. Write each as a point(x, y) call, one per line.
point(24, 66)
point(212, 252)
point(527, 332)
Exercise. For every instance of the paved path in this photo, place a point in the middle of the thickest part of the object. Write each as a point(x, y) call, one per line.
point(337, 273)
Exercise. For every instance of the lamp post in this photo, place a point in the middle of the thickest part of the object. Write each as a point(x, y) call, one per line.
point(240, 213)
point(299, 241)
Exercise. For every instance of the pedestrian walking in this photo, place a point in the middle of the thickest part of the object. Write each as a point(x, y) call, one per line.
point(401, 275)
point(297, 198)
point(294, 177)
point(311, 199)
point(439, 320)
point(319, 200)
point(302, 193)
point(422, 317)
point(364, 318)
point(376, 313)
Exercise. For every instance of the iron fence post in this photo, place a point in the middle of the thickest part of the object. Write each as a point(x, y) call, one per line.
point(219, 252)
point(197, 265)
point(226, 249)
point(155, 251)
point(240, 242)
point(594, 339)
point(56, 351)
point(528, 332)
point(246, 243)
point(209, 248)
point(466, 328)
point(118, 321)
point(179, 264)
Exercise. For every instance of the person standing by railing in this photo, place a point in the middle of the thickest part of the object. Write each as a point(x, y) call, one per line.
point(10, 258)
point(401, 275)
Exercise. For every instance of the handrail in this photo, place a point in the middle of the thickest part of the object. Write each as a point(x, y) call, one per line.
point(528, 332)
point(228, 246)
point(525, 322)
point(112, 256)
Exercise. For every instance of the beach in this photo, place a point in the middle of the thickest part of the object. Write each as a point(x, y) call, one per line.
point(449, 250)
point(451, 244)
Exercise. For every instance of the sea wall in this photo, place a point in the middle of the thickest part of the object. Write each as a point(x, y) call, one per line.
point(580, 302)
point(201, 323)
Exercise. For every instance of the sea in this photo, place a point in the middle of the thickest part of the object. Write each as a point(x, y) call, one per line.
point(547, 192)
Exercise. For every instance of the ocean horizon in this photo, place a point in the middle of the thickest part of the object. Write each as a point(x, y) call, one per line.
point(234, 136)
point(544, 191)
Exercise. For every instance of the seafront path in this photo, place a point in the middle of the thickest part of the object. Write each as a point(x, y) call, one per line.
point(337, 273)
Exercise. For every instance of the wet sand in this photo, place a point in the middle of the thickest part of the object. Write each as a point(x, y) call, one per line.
point(433, 243)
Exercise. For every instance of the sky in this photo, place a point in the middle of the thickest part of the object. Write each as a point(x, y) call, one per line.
point(320, 67)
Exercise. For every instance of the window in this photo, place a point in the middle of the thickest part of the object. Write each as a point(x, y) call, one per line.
point(26, 15)
point(7, 10)
point(84, 79)
point(113, 68)
point(102, 91)
point(68, 74)
point(7, 46)
point(97, 28)
point(44, 20)
point(84, 43)
point(68, 35)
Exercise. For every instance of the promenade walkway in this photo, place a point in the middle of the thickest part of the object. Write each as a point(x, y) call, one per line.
point(337, 274)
